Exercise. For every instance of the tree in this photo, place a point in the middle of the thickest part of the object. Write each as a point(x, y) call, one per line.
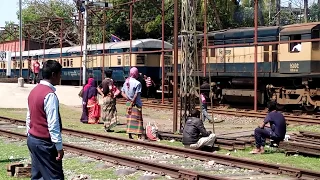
point(42, 20)
point(10, 32)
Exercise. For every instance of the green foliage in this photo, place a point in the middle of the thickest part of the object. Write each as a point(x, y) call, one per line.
point(147, 18)
point(10, 32)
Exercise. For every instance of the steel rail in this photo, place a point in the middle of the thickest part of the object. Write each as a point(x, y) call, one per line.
point(138, 164)
point(200, 155)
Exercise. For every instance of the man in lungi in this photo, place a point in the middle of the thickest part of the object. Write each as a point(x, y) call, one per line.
point(44, 126)
point(131, 90)
point(195, 135)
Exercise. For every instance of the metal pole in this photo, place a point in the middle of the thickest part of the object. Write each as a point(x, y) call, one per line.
point(61, 36)
point(162, 54)
point(205, 37)
point(85, 21)
point(20, 80)
point(270, 5)
point(81, 44)
point(305, 11)
point(255, 55)
point(61, 44)
point(20, 35)
point(103, 41)
point(175, 75)
point(131, 9)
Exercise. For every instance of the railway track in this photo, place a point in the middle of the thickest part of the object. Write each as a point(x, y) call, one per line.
point(178, 173)
point(138, 164)
point(291, 119)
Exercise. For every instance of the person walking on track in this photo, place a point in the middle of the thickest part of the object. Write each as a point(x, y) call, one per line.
point(44, 126)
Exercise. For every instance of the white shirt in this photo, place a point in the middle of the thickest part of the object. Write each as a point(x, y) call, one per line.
point(297, 47)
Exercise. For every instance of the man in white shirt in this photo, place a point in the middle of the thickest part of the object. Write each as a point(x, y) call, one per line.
point(296, 48)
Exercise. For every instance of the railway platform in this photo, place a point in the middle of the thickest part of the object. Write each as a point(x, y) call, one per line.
point(12, 96)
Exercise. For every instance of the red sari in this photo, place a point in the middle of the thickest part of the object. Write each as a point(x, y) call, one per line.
point(93, 110)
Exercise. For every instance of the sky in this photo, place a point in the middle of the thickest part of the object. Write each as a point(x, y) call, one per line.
point(9, 8)
point(8, 11)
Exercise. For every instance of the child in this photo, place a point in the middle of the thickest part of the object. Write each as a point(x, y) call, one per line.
point(204, 108)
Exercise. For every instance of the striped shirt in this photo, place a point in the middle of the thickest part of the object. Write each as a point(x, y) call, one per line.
point(148, 82)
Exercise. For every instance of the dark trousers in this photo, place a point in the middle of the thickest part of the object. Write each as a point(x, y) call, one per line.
point(260, 136)
point(43, 158)
point(149, 92)
point(35, 78)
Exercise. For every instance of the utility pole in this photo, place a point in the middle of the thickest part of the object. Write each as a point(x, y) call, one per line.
point(189, 60)
point(175, 71)
point(318, 10)
point(85, 28)
point(85, 25)
point(20, 79)
point(278, 9)
point(305, 11)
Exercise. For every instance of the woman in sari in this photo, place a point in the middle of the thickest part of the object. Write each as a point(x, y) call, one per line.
point(90, 104)
point(109, 110)
point(131, 90)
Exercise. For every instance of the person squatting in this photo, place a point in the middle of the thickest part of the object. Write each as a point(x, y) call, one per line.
point(276, 131)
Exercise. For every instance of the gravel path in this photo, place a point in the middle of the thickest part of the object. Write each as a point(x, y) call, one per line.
point(148, 155)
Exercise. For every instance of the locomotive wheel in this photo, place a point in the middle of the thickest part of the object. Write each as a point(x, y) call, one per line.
point(310, 108)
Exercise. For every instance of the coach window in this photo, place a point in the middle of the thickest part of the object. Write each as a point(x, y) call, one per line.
point(64, 62)
point(212, 52)
point(293, 44)
point(315, 35)
point(4, 65)
point(141, 59)
point(119, 60)
point(68, 62)
point(71, 62)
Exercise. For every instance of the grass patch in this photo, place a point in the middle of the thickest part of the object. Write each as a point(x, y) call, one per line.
point(10, 153)
point(311, 128)
point(76, 167)
point(13, 152)
point(274, 157)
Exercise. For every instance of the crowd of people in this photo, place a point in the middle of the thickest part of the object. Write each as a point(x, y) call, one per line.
point(44, 123)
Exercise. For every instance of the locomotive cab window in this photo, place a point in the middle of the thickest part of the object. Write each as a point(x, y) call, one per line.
point(71, 62)
point(315, 35)
point(295, 47)
point(119, 59)
point(140, 59)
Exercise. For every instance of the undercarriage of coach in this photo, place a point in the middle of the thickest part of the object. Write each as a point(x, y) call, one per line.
point(307, 98)
point(288, 93)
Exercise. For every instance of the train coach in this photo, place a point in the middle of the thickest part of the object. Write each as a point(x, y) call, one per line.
point(288, 72)
point(145, 55)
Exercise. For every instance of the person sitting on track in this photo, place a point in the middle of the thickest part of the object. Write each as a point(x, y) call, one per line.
point(277, 131)
point(195, 135)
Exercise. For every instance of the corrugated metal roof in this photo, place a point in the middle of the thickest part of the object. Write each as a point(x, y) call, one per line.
point(298, 28)
point(139, 43)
